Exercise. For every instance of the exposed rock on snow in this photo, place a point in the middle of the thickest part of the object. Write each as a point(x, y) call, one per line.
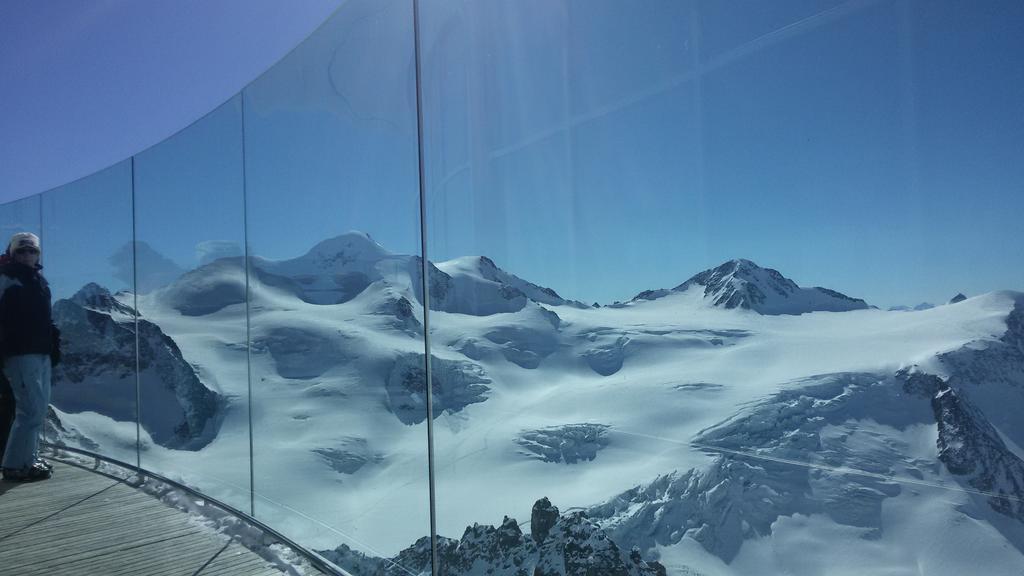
point(349, 456)
point(743, 284)
point(605, 349)
point(698, 387)
point(63, 434)
point(958, 298)
point(525, 338)
point(301, 354)
point(570, 443)
point(975, 407)
point(92, 296)
point(543, 517)
point(402, 311)
point(607, 358)
point(98, 372)
point(970, 447)
point(765, 468)
point(456, 384)
point(563, 545)
point(797, 451)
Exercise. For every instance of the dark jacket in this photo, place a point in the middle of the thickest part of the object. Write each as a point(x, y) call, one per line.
point(26, 324)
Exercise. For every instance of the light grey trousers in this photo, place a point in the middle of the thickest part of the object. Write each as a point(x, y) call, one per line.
point(29, 375)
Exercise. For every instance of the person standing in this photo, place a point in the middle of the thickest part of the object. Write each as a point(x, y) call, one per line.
point(29, 343)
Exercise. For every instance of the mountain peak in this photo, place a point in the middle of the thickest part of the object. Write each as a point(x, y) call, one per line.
point(352, 245)
point(741, 283)
point(96, 297)
point(483, 268)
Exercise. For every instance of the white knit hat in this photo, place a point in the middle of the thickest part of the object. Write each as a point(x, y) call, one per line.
point(23, 240)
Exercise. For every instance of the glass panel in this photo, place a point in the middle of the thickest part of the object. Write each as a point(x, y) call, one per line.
point(194, 394)
point(537, 122)
point(336, 322)
point(19, 216)
point(611, 187)
point(87, 231)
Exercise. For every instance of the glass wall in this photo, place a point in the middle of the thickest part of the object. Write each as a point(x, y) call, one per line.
point(337, 348)
point(713, 288)
point(630, 208)
point(190, 269)
point(88, 260)
point(560, 165)
point(20, 216)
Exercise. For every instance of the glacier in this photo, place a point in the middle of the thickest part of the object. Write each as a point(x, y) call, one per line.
point(735, 424)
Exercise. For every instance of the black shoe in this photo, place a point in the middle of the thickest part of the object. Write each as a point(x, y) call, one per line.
point(44, 464)
point(31, 474)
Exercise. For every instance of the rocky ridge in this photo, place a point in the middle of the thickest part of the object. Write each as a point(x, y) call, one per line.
point(98, 372)
point(745, 285)
point(558, 545)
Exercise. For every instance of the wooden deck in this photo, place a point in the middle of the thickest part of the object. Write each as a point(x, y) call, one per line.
point(81, 522)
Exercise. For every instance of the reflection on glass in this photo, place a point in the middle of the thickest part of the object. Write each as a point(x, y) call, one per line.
point(630, 207)
point(19, 216)
point(630, 387)
point(87, 233)
point(336, 320)
point(194, 385)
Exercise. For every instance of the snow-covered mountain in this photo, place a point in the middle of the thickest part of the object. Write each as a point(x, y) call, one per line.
point(339, 269)
point(742, 284)
point(98, 372)
point(469, 273)
point(707, 437)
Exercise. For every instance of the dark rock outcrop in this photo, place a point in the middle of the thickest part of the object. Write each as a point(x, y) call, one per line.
point(567, 545)
point(752, 480)
point(570, 443)
point(349, 455)
point(456, 384)
point(98, 372)
point(969, 446)
point(543, 516)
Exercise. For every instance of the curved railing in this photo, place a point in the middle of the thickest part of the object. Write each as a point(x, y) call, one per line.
point(59, 451)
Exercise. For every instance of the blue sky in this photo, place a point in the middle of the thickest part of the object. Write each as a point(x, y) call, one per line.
point(873, 147)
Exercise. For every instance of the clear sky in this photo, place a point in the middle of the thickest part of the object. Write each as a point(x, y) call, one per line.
point(86, 84)
point(600, 147)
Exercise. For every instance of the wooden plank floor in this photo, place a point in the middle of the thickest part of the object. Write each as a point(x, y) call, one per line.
point(81, 522)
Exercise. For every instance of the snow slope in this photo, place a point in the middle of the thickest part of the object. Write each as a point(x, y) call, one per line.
point(730, 439)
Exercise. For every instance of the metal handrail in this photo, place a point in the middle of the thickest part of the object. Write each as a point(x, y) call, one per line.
point(315, 559)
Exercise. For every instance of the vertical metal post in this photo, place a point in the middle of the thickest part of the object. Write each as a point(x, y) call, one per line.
point(135, 315)
point(425, 279)
point(248, 323)
point(42, 243)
